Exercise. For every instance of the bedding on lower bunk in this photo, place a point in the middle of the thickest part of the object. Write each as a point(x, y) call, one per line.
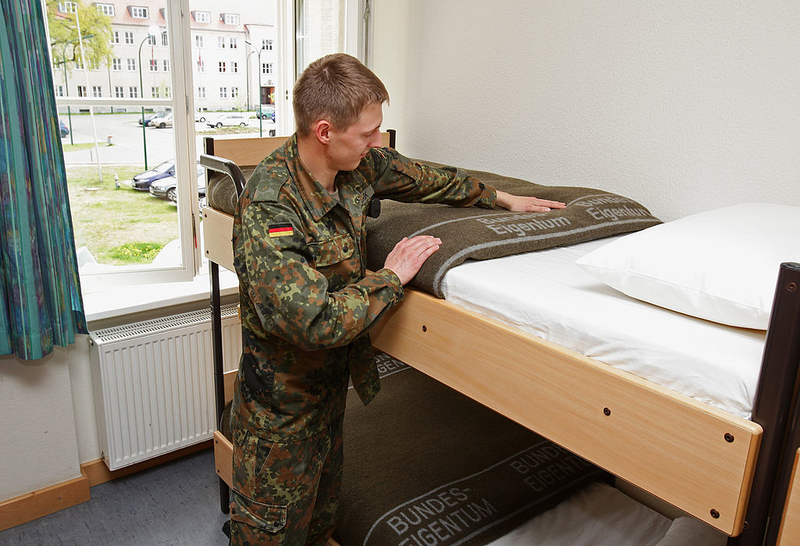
point(546, 294)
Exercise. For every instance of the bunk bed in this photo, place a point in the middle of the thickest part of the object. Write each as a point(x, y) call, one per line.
point(721, 467)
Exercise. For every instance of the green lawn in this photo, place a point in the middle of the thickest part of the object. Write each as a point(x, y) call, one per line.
point(119, 226)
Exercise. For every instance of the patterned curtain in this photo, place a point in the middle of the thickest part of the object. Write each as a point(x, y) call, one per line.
point(40, 296)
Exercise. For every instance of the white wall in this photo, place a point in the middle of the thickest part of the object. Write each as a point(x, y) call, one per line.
point(683, 105)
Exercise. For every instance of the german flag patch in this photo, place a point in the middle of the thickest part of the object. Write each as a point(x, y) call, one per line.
point(281, 230)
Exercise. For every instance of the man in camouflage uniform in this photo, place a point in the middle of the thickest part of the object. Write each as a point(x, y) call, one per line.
point(308, 302)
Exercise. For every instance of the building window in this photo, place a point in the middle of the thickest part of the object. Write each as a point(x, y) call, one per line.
point(234, 67)
point(133, 92)
point(164, 39)
point(202, 16)
point(115, 37)
point(154, 92)
point(153, 65)
point(132, 65)
point(67, 7)
point(82, 91)
point(221, 42)
point(128, 37)
point(138, 12)
point(234, 92)
point(234, 43)
point(166, 65)
point(119, 92)
point(201, 66)
point(201, 92)
point(222, 68)
point(223, 92)
point(230, 18)
point(97, 91)
point(198, 42)
point(167, 93)
point(116, 64)
point(266, 44)
point(151, 40)
point(59, 90)
point(266, 68)
point(106, 9)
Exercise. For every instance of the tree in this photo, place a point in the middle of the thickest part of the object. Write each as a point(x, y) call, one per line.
point(95, 28)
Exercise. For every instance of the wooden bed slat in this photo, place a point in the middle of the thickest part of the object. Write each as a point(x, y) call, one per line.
point(668, 444)
point(223, 457)
point(217, 233)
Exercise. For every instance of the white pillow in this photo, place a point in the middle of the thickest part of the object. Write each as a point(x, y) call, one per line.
point(721, 265)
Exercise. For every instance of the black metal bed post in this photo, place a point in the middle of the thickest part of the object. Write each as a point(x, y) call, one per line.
point(219, 383)
point(774, 409)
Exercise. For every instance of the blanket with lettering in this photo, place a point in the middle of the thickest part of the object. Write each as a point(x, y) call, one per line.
point(481, 234)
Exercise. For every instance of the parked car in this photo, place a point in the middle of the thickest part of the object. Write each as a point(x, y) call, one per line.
point(266, 112)
point(150, 116)
point(161, 120)
point(62, 128)
point(142, 181)
point(228, 120)
point(199, 117)
point(167, 187)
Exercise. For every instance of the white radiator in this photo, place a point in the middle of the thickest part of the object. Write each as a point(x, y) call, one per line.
point(154, 383)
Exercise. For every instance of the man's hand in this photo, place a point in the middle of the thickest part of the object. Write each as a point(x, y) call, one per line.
point(517, 203)
point(408, 255)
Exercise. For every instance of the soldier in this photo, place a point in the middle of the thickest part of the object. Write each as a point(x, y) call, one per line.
point(307, 301)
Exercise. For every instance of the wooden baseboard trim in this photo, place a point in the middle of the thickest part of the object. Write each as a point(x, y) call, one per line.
point(43, 502)
point(97, 472)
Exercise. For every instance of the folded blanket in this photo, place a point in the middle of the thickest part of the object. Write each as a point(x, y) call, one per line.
point(481, 234)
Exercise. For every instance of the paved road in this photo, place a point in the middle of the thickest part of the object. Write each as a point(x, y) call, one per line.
point(127, 139)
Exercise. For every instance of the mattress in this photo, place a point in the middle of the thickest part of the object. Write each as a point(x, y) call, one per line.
point(544, 293)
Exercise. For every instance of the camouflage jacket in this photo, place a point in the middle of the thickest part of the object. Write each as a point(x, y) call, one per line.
point(307, 300)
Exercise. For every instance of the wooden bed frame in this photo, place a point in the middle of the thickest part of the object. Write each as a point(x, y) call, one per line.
point(732, 473)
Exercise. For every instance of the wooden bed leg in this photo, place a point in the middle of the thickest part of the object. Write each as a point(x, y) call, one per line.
point(219, 383)
point(774, 408)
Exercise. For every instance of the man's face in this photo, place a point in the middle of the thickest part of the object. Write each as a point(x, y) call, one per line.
point(349, 147)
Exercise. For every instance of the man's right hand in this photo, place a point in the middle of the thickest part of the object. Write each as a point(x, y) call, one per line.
point(408, 255)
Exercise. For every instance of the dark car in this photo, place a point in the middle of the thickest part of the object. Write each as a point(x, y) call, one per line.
point(167, 187)
point(62, 128)
point(143, 180)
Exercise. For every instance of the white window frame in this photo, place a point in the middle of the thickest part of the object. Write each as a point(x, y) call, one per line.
point(140, 12)
point(202, 16)
point(231, 18)
point(131, 64)
point(116, 64)
point(106, 9)
point(129, 37)
point(119, 91)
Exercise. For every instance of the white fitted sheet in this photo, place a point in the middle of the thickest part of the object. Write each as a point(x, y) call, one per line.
point(544, 293)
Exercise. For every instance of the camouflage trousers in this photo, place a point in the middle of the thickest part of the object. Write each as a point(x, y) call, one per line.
point(286, 493)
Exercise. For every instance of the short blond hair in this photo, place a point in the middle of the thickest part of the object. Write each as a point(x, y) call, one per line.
point(337, 88)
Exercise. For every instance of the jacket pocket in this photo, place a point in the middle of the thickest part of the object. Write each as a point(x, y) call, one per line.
point(265, 517)
point(332, 251)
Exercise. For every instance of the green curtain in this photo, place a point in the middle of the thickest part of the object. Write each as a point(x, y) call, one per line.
point(40, 296)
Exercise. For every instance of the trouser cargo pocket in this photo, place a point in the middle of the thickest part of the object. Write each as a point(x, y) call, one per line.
point(264, 517)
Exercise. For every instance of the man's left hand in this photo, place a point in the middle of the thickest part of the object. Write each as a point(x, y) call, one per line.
point(518, 203)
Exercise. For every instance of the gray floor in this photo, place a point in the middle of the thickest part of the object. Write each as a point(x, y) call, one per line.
point(176, 503)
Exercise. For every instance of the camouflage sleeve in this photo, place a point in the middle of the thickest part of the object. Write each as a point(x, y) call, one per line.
point(292, 298)
point(402, 179)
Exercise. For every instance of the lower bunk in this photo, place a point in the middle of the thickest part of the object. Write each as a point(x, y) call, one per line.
point(427, 465)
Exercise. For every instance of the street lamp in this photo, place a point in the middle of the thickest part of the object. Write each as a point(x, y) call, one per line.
point(152, 31)
point(258, 111)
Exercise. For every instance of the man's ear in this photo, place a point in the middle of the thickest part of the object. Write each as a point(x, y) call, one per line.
point(322, 130)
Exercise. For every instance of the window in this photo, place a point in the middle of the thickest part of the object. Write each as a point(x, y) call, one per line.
point(198, 42)
point(97, 91)
point(133, 92)
point(151, 40)
point(166, 65)
point(132, 64)
point(266, 44)
point(128, 37)
point(82, 91)
point(106, 9)
point(115, 37)
point(222, 67)
point(266, 68)
point(153, 65)
point(234, 92)
point(119, 92)
point(154, 92)
point(164, 39)
point(234, 67)
point(67, 7)
point(201, 66)
point(202, 16)
point(201, 92)
point(230, 18)
point(223, 92)
point(138, 12)
point(167, 92)
point(221, 42)
point(116, 64)
point(59, 90)
point(234, 43)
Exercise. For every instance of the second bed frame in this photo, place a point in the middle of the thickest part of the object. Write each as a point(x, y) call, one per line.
point(730, 472)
